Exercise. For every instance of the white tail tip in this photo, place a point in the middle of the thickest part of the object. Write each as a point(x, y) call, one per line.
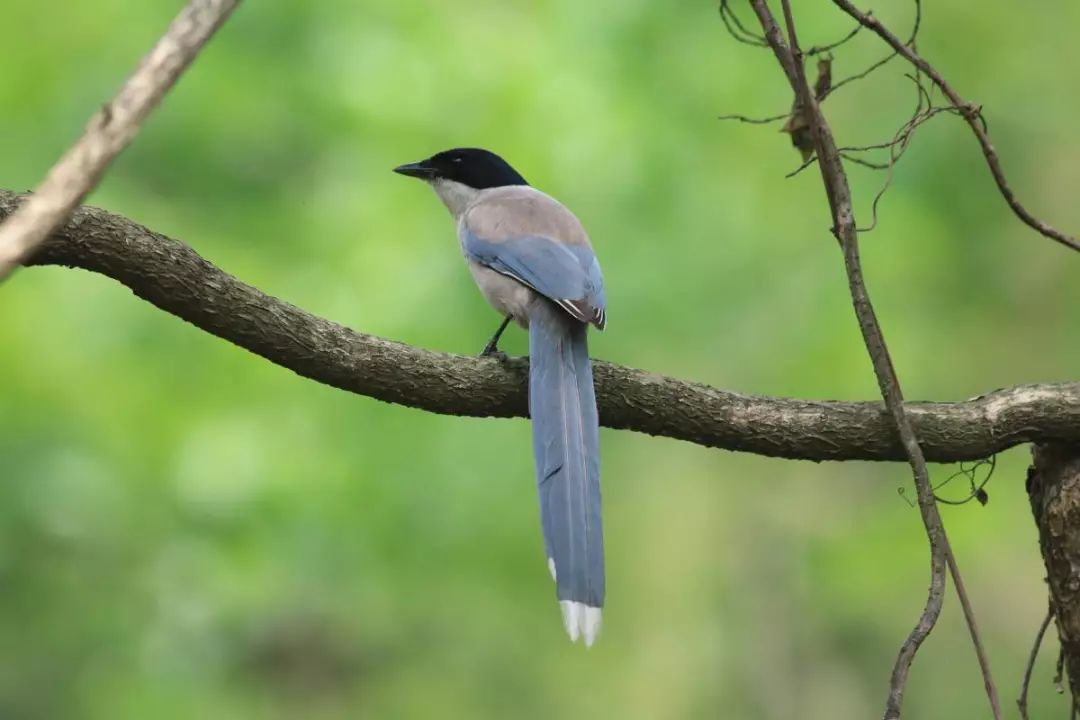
point(581, 620)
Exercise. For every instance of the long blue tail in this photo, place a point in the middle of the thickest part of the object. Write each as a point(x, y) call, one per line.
point(566, 446)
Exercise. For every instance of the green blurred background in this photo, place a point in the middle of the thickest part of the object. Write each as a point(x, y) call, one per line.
point(189, 531)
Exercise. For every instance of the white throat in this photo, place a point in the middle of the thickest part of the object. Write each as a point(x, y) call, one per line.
point(455, 196)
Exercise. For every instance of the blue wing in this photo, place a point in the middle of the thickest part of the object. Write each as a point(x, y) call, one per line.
point(569, 275)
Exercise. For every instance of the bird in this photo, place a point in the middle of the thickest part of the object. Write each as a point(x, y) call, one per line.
point(533, 262)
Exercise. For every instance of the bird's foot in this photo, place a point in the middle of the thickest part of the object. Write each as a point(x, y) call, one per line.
point(491, 350)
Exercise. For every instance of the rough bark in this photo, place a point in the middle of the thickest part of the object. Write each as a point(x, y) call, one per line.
point(173, 277)
point(1054, 489)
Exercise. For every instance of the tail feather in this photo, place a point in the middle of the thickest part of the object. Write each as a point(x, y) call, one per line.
point(566, 447)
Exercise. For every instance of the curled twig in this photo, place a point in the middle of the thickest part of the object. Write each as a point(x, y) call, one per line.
point(883, 61)
point(900, 143)
point(861, 74)
point(817, 50)
point(972, 113)
point(736, 29)
point(977, 488)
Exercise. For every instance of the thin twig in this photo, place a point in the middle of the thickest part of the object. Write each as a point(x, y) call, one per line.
point(817, 50)
point(973, 629)
point(805, 164)
point(972, 113)
point(911, 42)
point(1021, 702)
point(755, 121)
point(861, 74)
point(736, 29)
point(901, 137)
point(900, 134)
point(918, 115)
point(847, 156)
point(109, 131)
point(865, 163)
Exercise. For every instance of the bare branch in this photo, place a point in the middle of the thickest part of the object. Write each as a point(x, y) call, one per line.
point(839, 196)
point(109, 131)
point(973, 629)
point(173, 277)
point(1021, 702)
point(971, 113)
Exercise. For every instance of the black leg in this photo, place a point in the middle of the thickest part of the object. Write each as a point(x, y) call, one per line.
point(492, 348)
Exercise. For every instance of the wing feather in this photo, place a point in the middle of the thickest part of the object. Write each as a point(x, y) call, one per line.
point(533, 239)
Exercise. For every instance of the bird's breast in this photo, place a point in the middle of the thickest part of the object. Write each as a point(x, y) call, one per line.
point(506, 295)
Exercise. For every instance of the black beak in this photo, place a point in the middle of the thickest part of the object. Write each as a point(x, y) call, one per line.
point(417, 170)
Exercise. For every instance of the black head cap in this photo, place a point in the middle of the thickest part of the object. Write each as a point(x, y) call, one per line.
point(474, 167)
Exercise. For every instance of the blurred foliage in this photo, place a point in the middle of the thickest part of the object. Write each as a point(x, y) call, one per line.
point(189, 531)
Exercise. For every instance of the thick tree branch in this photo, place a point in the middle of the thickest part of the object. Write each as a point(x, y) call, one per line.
point(172, 276)
point(109, 131)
